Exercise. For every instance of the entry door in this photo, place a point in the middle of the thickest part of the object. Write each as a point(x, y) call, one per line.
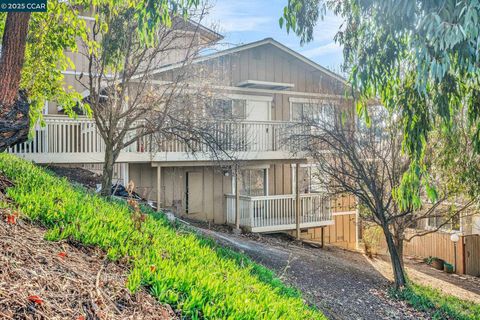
point(194, 192)
point(258, 110)
point(260, 134)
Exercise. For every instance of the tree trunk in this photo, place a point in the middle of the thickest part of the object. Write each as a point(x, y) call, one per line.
point(396, 259)
point(14, 123)
point(107, 175)
point(14, 120)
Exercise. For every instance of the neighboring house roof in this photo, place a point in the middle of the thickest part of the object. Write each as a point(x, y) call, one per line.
point(255, 44)
point(205, 31)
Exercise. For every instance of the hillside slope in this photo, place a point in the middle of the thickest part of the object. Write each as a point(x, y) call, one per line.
point(176, 266)
point(61, 280)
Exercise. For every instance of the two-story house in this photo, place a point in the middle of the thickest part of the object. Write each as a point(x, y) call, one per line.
point(267, 86)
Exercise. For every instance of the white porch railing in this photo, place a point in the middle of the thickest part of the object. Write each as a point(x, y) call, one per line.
point(277, 213)
point(73, 138)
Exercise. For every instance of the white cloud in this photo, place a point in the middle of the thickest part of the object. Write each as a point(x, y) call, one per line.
point(327, 28)
point(240, 24)
point(322, 50)
point(239, 16)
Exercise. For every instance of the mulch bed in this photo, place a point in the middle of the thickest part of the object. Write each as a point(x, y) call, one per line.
point(63, 280)
point(78, 175)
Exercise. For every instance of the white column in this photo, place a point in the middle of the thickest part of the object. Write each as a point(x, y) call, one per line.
point(265, 181)
point(159, 187)
point(237, 199)
point(297, 200)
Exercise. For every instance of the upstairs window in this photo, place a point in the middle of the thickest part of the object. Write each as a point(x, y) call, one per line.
point(227, 108)
point(317, 112)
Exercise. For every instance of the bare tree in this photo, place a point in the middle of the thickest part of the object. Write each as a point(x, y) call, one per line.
point(131, 107)
point(367, 162)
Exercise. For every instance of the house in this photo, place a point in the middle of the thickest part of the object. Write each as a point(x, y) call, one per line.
point(269, 86)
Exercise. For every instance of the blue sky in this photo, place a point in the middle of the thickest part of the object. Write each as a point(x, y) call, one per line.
point(244, 21)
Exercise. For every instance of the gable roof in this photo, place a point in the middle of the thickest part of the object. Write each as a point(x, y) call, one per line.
point(255, 44)
point(207, 32)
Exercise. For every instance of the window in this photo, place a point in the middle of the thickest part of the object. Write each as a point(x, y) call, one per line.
point(318, 112)
point(438, 220)
point(311, 180)
point(252, 182)
point(227, 108)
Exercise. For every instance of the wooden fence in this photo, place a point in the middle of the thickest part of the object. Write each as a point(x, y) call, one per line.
point(439, 245)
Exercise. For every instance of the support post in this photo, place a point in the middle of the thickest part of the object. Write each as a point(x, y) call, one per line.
point(322, 236)
point(237, 200)
point(159, 187)
point(357, 225)
point(297, 200)
point(126, 178)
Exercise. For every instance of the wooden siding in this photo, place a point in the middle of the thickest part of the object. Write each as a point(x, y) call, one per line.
point(268, 63)
point(215, 186)
point(341, 233)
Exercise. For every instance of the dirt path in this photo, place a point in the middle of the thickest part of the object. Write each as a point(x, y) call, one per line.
point(343, 284)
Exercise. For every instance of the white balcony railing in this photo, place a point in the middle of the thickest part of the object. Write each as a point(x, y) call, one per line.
point(65, 139)
point(277, 213)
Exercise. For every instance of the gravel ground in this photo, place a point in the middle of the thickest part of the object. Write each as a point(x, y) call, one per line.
point(342, 284)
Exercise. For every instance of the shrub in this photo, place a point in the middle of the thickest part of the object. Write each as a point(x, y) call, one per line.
point(178, 267)
point(372, 237)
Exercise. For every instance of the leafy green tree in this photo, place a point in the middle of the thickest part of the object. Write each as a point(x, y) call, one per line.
point(420, 58)
point(33, 56)
point(32, 60)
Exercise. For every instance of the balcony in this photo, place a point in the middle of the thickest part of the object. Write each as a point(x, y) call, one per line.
point(277, 213)
point(65, 140)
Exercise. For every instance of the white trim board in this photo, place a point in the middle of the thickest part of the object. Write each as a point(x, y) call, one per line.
point(250, 83)
point(248, 97)
point(266, 91)
point(307, 100)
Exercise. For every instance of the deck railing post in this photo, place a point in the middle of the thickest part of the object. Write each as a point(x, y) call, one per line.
point(252, 222)
point(237, 200)
point(297, 200)
point(159, 187)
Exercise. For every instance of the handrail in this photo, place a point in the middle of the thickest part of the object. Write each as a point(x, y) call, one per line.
point(234, 121)
point(81, 136)
point(278, 196)
point(278, 212)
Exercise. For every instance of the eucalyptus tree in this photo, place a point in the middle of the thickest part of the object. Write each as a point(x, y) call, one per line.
point(420, 58)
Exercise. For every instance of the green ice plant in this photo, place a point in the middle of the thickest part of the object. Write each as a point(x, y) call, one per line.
point(177, 266)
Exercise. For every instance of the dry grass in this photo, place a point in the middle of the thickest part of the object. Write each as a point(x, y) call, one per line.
point(61, 280)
